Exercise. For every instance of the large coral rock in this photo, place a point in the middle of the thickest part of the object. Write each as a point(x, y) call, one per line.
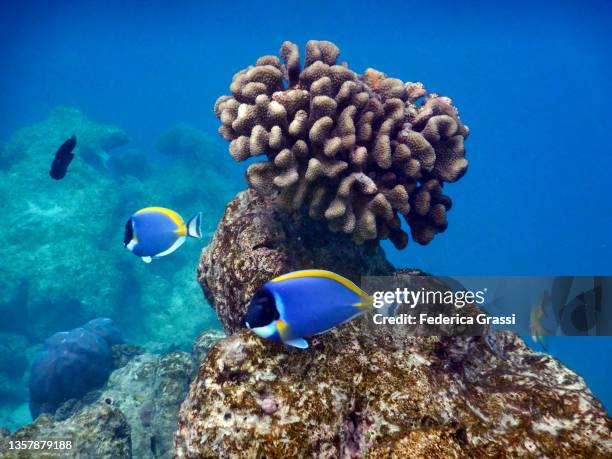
point(354, 395)
point(99, 431)
point(362, 390)
point(256, 241)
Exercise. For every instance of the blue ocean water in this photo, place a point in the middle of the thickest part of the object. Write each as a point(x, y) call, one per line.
point(532, 80)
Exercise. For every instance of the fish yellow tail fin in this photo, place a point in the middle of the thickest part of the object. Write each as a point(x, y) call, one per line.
point(366, 303)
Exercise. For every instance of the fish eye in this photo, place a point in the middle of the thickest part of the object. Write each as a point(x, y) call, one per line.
point(262, 309)
point(129, 234)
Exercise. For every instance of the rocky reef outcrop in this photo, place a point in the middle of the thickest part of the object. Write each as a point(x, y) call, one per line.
point(257, 241)
point(356, 150)
point(99, 430)
point(363, 391)
point(352, 395)
point(133, 415)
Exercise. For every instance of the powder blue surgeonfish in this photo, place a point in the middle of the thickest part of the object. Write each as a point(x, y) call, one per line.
point(304, 303)
point(154, 232)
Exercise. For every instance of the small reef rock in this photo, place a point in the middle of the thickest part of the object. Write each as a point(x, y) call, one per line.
point(99, 431)
point(361, 391)
point(134, 414)
point(149, 390)
point(257, 241)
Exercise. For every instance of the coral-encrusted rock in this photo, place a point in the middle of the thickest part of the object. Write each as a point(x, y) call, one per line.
point(99, 430)
point(149, 390)
point(354, 396)
point(256, 241)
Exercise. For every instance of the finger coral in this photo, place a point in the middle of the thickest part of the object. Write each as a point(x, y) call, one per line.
point(354, 149)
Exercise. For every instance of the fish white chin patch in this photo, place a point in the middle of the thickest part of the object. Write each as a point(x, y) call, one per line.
point(131, 245)
point(266, 331)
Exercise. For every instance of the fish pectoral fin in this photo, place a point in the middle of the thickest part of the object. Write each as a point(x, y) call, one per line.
point(147, 259)
point(300, 343)
point(283, 329)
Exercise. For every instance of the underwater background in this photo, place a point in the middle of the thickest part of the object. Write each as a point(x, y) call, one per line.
point(138, 82)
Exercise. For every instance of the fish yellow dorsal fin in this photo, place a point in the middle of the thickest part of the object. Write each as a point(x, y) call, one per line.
point(172, 215)
point(322, 273)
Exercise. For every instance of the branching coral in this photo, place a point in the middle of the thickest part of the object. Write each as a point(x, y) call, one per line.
point(356, 150)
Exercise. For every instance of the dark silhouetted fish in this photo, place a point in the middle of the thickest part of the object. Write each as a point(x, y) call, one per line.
point(62, 159)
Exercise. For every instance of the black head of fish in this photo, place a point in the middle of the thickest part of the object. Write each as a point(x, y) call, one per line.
point(129, 232)
point(262, 309)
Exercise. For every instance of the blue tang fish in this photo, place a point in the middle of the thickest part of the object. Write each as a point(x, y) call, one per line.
point(304, 303)
point(154, 232)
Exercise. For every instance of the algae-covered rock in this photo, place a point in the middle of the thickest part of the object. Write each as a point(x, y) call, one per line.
point(353, 395)
point(123, 353)
point(149, 390)
point(98, 431)
point(256, 241)
point(363, 391)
